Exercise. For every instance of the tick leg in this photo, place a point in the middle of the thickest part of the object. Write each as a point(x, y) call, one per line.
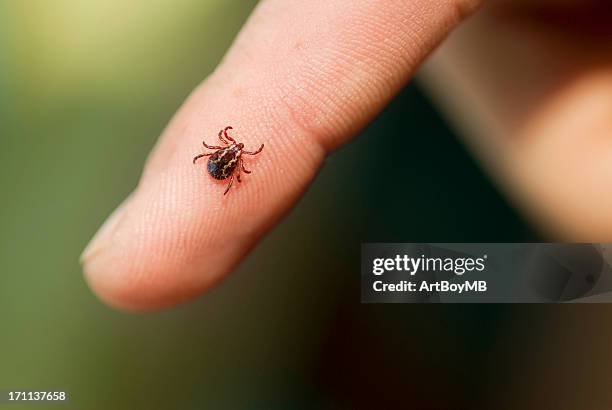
point(221, 137)
point(246, 171)
point(255, 152)
point(211, 146)
point(227, 136)
point(238, 175)
point(229, 185)
point(200, 156)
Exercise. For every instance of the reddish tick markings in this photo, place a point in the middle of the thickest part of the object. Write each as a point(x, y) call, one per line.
point(225, 161)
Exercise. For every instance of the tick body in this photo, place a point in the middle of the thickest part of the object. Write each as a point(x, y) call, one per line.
point(226, 162)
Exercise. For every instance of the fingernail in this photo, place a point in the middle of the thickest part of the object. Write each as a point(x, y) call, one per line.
point(103, 238)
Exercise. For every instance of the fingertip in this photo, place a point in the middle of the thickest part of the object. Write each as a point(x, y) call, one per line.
point(123, 287)
point(168, 246)
point(119, 295)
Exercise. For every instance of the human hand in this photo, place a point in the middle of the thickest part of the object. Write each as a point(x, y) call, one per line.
point(530, 83)
point(302, 77)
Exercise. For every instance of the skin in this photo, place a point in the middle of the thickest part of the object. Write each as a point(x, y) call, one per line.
point(332, 67)
point(535, 86)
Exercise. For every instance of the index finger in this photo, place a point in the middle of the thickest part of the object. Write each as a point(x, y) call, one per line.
point(301, 78)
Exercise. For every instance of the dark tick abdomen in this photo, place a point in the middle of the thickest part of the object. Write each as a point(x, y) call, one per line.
point(222, 163)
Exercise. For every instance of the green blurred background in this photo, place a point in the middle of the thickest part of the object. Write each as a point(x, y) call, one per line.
point(85, 89)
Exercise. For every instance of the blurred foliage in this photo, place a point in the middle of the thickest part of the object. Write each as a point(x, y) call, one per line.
point(85, 89)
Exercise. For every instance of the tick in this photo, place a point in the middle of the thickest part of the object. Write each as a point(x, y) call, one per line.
point(227, 161)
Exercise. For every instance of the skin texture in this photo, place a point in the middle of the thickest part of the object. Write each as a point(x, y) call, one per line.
point(305, 77)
